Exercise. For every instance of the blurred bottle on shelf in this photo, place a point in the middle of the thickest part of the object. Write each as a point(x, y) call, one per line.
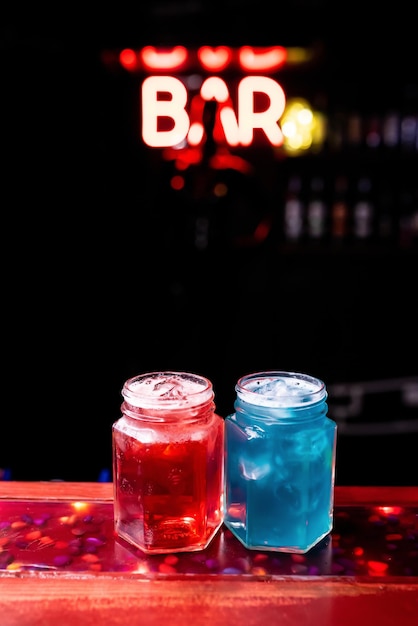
point(354, 130)
point(340, 210)
point(409, 133)
point(317, 210)
point(373, 134)
point(390, 130)
point(363, 210)
point(294, 210)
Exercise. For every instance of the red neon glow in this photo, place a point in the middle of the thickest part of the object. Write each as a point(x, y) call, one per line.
point(262, 59)
point(128, 59)
point(177, 182)
point(389, 510)
point(214, 59)
point(154, 59)
point(377, 568)
point(209, 59)
point(224, 160)
point(183, 158)
point(261, 233)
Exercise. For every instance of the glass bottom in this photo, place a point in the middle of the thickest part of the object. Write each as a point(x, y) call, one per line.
point(239, 533)
point(170, 535)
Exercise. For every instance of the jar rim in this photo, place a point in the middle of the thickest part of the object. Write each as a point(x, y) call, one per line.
point(279, 388)
point(168, 389)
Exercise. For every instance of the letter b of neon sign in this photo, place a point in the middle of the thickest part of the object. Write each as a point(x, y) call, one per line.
point(172, 106)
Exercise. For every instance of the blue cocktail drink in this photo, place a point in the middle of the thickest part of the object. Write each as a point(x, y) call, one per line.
point(279, 462)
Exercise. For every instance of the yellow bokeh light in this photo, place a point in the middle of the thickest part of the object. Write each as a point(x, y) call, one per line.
point(80, 506)
point(302, 127)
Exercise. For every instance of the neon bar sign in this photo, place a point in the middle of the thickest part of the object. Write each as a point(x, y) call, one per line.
point(237, 130)
point(172, 116)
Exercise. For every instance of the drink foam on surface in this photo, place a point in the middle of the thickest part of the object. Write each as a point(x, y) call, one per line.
point(174, 389)
point(280, 390)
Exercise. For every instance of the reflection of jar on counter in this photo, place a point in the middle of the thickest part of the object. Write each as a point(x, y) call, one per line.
point(168, 463)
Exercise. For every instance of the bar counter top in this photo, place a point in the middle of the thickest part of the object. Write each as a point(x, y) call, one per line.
point(61, 564)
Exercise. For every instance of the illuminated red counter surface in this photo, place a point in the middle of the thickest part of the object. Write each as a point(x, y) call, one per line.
point(61, 563)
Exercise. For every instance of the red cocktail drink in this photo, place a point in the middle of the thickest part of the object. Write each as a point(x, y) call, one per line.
point(168, 463)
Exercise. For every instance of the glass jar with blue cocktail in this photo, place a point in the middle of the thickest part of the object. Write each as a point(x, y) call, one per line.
point(280, 449)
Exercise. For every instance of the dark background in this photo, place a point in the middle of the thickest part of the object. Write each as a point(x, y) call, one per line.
point(101, 278)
